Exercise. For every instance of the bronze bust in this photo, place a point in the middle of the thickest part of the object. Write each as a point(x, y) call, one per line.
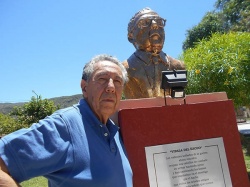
point(144, 66)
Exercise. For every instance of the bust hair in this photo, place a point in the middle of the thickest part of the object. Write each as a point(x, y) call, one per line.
point(132, 23)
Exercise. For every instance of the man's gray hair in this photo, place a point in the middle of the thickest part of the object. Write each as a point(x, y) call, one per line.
point(89, 67)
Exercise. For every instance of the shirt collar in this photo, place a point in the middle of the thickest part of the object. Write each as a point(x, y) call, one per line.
point(150, 58)
point(94, 121)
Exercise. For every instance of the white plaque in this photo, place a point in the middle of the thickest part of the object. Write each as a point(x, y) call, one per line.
point(188, 164)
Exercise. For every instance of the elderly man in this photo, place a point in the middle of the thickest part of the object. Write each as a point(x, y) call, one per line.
point(144, 66)
point(77, 146)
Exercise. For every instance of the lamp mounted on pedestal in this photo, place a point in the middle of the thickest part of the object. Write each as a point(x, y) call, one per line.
point(175, 81)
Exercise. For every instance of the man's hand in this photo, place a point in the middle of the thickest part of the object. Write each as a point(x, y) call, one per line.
point(5, 179)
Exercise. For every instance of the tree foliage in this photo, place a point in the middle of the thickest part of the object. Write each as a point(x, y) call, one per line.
point(235, 14)
point(221, 64)
point(228, 15)
point(33, 111)
point(209, 24)
point(8, 124)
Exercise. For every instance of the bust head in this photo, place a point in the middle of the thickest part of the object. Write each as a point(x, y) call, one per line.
point(146, 31)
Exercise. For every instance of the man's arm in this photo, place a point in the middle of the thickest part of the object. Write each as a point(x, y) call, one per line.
point(5, 179)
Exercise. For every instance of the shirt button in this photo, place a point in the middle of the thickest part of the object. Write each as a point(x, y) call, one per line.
point(105, 134)
point(113, 149)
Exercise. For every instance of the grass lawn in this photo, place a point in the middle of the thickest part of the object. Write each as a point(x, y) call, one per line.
point(35, 182)
point(247, 161)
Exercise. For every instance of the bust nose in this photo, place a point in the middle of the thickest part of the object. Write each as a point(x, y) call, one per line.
point(154, 25)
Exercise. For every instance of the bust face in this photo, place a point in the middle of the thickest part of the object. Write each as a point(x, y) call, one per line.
point(148, 32)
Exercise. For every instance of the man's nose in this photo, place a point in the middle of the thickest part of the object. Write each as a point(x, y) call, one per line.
point(110, 87)
point(154, 25)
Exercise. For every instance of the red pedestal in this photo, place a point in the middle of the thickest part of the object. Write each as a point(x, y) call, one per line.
point(198, 119)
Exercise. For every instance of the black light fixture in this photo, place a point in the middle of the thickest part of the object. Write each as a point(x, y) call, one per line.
point(175, 81)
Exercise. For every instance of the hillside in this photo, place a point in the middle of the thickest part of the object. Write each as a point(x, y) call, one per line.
point(63, 102)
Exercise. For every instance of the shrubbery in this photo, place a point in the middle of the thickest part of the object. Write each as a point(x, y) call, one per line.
point(23, 117)
point(221, 63)
point(8, 124)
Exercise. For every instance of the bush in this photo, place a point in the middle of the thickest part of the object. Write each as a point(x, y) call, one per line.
point(24, 116)
point(8, 124)
point(220, 64)
point(33, 111)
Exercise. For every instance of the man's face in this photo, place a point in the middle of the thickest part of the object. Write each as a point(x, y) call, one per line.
point(149, 33)
point(104, 89)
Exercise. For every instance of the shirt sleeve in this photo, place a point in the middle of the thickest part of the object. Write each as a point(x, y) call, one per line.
point(43, 148)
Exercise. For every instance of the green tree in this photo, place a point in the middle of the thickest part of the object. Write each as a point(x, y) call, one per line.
point(228, 15)
point(235, 14)
point(221, 64)
point(33, 111)
point(8, 124)
point(209, 24)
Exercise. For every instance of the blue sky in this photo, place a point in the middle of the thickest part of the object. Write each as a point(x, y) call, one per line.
point(45, 44)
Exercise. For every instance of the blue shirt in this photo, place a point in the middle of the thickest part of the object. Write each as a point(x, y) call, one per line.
point(71, 148)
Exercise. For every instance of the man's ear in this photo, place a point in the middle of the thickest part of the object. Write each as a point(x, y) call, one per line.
point(84, 85)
